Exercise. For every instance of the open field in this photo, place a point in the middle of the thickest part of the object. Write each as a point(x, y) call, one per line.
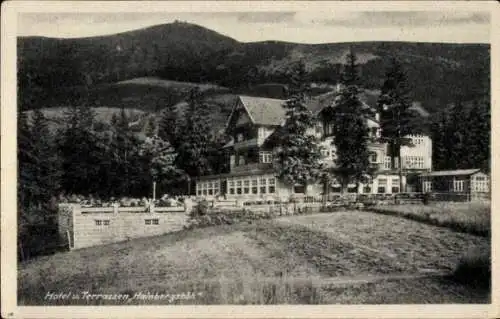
point(344, 257)
point(470, 217)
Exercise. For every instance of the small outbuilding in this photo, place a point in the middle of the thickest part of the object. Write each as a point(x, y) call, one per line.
point(471, 182)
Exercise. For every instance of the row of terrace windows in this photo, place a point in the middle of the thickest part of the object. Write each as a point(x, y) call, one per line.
point(480, 184)
point(414, 162)
point(384, 185)
point(208, 188)
point(254, 186)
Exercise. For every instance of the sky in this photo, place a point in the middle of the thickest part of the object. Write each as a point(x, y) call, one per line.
point(313, 26)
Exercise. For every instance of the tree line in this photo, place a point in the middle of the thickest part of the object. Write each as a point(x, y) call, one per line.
point(82, 158)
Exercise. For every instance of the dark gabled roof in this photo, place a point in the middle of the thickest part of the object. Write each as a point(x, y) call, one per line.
point(456, 172)
point(267, 111)
point(264, 111)
point(319, 102)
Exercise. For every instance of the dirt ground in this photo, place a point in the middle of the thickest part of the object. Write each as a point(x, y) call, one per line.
point(295, 259)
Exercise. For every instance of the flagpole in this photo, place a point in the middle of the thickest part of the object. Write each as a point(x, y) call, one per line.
point(154, 191)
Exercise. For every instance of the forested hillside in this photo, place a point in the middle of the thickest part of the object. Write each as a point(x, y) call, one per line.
point(57, 72)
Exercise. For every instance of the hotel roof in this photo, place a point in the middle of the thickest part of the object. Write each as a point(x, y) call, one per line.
point(456, 172)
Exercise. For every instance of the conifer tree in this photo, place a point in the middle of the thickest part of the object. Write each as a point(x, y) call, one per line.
point(350, 130)
point(46, 169)
point(194, 138)
point(396, 117)
point(169, 126)
point(25, 159)
point(127, 165)
point(80, 152)
point(298, 155)
point(480, 133)
point(439, 143)
point(38, 182)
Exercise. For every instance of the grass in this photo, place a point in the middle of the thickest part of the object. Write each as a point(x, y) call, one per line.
point(471, 217)
point(289, 260)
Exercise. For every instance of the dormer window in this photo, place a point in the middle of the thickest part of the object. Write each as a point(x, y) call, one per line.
point(239, 137)
point(328, 128)
point(266, 157)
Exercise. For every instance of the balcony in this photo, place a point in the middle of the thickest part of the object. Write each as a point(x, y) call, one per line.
point(254, 142)
point(252, 167)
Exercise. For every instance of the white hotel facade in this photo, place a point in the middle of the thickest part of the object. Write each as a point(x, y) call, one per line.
point(252, 122)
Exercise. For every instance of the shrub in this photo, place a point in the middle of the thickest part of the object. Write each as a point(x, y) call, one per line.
point(474, 269)
point(200, 210)
point(213, 218)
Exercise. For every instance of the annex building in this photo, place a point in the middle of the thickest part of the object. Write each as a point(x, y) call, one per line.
point(254, 120)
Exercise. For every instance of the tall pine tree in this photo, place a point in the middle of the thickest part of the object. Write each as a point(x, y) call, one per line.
point(169, 126)
point(38, 183)
point(80, 152)
point(397, 120)
point(298, 155)
point(194, 138)
point(350, 130)
point(46, 171)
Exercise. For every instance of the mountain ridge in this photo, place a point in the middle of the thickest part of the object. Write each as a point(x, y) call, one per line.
point(55, 71)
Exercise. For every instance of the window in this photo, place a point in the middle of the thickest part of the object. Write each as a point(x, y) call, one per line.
point(198, 192)
point(239, 137)
point(299, 189)
point(458, 186)
point(246, 189)
point(387, 162)
point(102, 222)
point(263, 183)
point(272, 187)
point(395, 185)
point(238, 187)
point(373, 157)
point(382, 183)
point(265, 157)
point(414, 162)
point(352, 189)
point(367, 189)
point(336, 189)
point(153, 221)
point(328, 129)
point(255, 189)
point(427, 187)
